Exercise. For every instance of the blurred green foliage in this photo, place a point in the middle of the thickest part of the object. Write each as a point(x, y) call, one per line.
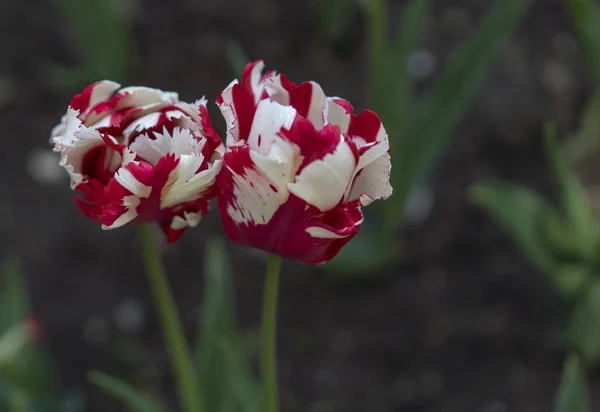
point(336, 19)
point(127, 393)
point(223, 355)
point(573, 393)
point(585, 19)
point(28, 378)
point(101, 34)
point(237, 57)
point(585, 15)
point(562, 243)
point(419, 128)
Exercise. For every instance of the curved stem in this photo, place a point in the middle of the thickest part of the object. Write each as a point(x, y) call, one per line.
point(188, 384)
point(268, 360)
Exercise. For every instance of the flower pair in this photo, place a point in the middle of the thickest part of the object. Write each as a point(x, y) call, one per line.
point(297, 169)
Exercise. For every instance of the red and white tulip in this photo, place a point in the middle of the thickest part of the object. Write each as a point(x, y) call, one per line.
point(299, 166)
point(138, 154)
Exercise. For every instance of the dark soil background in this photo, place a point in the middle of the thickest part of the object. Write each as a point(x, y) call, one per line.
point(463, 324)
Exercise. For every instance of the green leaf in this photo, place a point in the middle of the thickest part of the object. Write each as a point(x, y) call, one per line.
point(28, 381)
point(14, 300)
point(396, 113)
point(583, 331)
point(573, 197)
point(334, 18)
point(585, 15)
point(32, 370)
point(446, 103)
point(236, 56)
point(245, 388)
point(560, 238)
point(126, 393)
point(521, 213)
point(573, 393)
point(571, 279)
point(218, 322)
point(376, 13)
point(538, 230)
point(587, 138)
point(101, 31)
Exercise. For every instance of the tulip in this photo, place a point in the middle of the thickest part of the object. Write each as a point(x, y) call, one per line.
point(299, 166)
point(139, 155)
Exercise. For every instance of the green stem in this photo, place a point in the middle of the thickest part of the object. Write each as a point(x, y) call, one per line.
point(188, 384)
point(268, 362)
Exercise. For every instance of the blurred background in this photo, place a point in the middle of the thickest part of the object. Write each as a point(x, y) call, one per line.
point(459, 321)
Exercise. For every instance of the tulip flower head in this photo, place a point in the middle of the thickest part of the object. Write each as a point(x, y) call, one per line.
point(299, 166)
point(138, 154)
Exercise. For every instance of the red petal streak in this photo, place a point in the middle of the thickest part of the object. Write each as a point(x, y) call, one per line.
point(111, 212)
point(90, 211)
point(366, 125)
point(300, 96)
point(285, 234)
point(200, 207)
point(143, 171)
point(81, 101)
point(314, 144)
point(95, 164)
point(245, 108)
point(149, 208)
point(246, 82)
point(345, 104)
point(244, 100)
point(111, 103)
point(212, 137)
point(93, 192)
point(111, 143)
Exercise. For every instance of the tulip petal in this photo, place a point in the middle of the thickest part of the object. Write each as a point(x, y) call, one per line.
point(249, 196)
point(372, 182)
point(75, 142)
point(366, 125)
point(288, 232)
point(180, 142)
point(180, 223)
point(322, 233)
point(185, 182)
point(270, 117)
point(92, 95)
point(193, 109)
point(281, 163)
point(129, 102)
point(252, 79)
point(323, 182)
point(307, 98)
point(339, 113)
point(238, 102)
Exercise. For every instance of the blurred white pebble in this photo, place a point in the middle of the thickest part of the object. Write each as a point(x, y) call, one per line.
point(129, 317)
point(556, 77)
point(43, 166)
point(421, 64)
point(419, 205)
